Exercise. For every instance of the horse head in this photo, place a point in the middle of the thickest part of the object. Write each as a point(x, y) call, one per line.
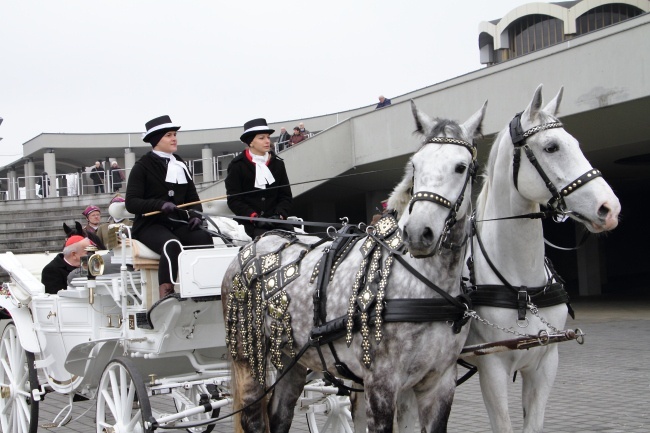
point(435, 191)
point(553, 171)
point(78, 230)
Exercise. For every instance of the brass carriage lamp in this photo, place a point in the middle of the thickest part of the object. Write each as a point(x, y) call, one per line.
point(92, 265)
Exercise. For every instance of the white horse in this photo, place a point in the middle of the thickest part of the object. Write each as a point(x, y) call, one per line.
point(413, 351)
point(515, 249)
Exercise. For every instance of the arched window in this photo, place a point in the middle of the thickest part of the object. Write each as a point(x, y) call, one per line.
point(605, 15)
point(532, 33)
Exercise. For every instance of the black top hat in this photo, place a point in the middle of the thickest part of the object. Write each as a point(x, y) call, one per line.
point(162, 123)
point(254, 127)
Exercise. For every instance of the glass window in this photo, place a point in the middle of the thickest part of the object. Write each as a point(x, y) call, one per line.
point(532, 33)
point(605, 15)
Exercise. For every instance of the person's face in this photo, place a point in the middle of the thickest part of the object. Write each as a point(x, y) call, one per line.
point(74, 258)
point(168, 143)
point(302, 125)
point(282, 130)
point(260, 144)
point(296, 131)
point(94, 217)
point(97, 164)
point(381, 99)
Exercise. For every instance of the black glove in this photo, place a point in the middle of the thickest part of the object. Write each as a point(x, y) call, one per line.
point(194, 223)
point(168, 207)
point(267, 225)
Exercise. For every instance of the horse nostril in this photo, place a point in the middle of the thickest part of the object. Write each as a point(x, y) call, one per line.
point(427, 235)
point(603, 211)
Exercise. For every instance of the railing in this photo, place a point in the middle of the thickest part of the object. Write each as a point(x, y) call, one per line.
point(219, 167)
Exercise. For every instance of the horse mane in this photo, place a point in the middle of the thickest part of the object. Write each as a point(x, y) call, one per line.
point(401, 195)
point(487, 174)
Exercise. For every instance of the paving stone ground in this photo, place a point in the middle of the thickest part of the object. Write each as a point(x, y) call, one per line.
point(601, 386)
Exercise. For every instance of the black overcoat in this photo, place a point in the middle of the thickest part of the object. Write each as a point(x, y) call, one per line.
point(244, 199)
point(147, 191)
point(55, 274)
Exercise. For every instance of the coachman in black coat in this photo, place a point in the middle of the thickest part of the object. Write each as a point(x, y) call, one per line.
point(246, 200)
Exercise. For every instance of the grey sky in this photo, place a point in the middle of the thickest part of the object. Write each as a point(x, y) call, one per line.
point(78, 66)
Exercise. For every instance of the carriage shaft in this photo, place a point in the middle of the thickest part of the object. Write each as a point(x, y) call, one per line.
point(520, 343)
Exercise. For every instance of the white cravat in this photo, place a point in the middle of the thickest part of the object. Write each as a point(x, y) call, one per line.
point(176, 170)
point(262, 173)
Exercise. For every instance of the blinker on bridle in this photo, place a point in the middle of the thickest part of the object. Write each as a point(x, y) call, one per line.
point(556, 203)
point(442, 201)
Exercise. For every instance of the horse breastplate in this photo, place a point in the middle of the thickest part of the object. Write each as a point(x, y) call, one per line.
point(258, 290)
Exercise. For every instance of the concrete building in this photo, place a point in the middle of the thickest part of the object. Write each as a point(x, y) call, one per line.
point(600, 53)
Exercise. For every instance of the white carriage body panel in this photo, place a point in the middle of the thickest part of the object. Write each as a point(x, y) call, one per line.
point(201, 270)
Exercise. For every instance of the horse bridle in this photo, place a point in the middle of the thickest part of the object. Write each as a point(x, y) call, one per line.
point(442, 201)
point(556, 203)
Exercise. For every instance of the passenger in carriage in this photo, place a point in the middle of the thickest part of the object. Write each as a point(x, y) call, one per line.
point(93, 218)
point(160, 181)
point(55, 274)
point(257, 183)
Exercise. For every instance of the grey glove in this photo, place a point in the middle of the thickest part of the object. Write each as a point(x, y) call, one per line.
point(168, 207)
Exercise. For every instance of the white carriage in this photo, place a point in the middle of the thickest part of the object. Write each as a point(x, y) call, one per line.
point(109, 338)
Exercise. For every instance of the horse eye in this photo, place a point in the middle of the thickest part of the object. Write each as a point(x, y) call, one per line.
point(460, 168)
point(552, 148)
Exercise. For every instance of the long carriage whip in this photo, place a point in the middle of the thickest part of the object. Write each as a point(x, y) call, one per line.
point(272, 187)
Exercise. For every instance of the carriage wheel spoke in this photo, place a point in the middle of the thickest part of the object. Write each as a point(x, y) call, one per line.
point(108, 400)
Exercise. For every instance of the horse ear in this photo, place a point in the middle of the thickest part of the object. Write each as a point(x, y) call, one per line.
point(401, 195)
point(66, 229)
point(79, 228)
point(474, 125)
point(553, 107)
point(535, 105)
point(422, 121)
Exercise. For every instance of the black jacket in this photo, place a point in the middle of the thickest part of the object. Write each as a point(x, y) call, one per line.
point(55, 274)
point(244, 199)
point(147, 191)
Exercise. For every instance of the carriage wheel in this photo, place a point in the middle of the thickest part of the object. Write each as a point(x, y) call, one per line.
point(192, 397)
point(122, 400)
point(18, 412)
point(327, 413)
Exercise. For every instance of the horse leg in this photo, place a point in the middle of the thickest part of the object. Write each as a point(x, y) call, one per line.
point(407, 414)
point(434, 396)
point(494, 377)
point(247, 393)
point(380, 405)
point(536, 388)
point(285, 396)
point(358, 410)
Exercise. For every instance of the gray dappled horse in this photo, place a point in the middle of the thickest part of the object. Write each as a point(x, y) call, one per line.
point(269, 296)
point(564, 180)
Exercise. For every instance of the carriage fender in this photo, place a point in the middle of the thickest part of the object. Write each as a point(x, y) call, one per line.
point(22, 318)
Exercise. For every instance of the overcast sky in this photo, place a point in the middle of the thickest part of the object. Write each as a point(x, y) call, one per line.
point(78, 66)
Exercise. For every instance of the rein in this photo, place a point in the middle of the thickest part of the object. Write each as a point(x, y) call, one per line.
point(556, 203)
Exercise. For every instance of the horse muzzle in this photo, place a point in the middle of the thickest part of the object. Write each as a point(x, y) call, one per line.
point(420, 240)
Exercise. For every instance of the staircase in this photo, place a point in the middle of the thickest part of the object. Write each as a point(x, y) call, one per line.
point(36, 226)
